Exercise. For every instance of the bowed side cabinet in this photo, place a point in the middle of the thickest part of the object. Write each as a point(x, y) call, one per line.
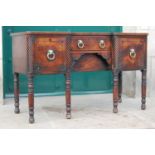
point(37, 53)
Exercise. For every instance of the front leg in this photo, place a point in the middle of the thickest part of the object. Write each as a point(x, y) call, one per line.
point(68, 95)
point(143, 105)
point(115, 92)
point(16, 92)
point(31, 98)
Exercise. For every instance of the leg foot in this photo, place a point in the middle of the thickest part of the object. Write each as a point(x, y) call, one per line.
point(17, 110)
point(120, 100)
point(68, 111)
point(68, 115)
point(143, 106)
point(31, 115)
point(31, 120)
point(115, 109)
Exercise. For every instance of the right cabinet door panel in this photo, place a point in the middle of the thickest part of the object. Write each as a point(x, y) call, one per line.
point(132, 53)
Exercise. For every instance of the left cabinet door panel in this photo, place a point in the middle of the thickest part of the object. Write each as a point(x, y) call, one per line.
point(49, 54)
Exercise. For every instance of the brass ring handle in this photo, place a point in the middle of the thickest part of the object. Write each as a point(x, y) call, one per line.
point(50, 55)
point(102, 44)
point(132, 53)
point(80, 44)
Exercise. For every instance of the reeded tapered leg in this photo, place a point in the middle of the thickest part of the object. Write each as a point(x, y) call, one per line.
point(115, 92)
point(120, 87)
point(31, 98)
point(16, 92)
point(143, 105)
point(68, 95)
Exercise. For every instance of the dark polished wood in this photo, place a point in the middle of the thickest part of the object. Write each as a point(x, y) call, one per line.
point(37, 53)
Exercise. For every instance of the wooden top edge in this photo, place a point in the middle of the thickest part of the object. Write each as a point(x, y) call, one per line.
point(59, 33)
point(76, 33)
point(130, 34)
point(39, 32)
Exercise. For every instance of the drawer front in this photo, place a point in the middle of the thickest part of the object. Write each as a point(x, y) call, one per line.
point(131, 54)
point(49, 55)
point(91, 43)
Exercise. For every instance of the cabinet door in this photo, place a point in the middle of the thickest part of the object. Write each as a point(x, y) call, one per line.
point(49, 54)
point(132, 53)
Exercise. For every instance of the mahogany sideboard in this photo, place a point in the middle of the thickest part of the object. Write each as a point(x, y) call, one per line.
point(37, 53)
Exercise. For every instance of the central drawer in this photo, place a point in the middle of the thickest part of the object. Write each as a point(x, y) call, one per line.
point(91, 43)
point(91, 53)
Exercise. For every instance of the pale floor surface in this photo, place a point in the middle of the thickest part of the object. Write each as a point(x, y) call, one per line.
point(88, 111)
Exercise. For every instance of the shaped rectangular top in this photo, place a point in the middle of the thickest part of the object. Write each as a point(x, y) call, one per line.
point(75, 33)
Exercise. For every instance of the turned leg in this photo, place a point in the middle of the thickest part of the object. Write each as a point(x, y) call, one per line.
point(68, 95)
point(16, 92)
point(120, 87)
point(143, 105)
point(115, 92)
point(31, 98)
